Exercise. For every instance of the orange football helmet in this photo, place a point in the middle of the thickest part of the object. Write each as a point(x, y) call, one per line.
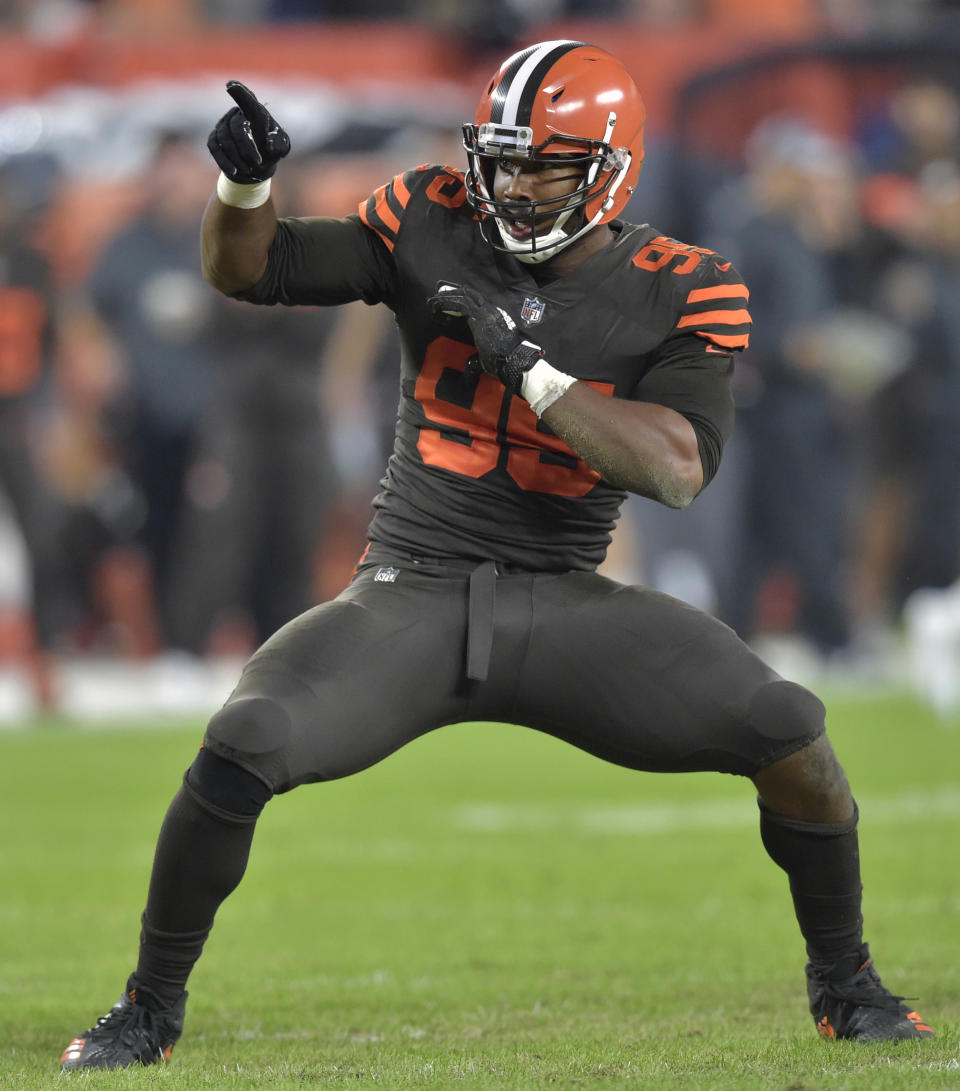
point(556, 99)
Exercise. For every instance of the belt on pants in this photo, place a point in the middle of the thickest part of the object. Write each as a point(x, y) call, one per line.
point(481, 597)
point(480, 609)
point(481, 605)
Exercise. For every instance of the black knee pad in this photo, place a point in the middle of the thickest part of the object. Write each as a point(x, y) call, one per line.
point(784, 710)
point(253, 732)
point(228, 787)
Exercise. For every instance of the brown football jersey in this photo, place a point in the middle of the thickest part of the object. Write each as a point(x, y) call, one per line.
point(474, 472)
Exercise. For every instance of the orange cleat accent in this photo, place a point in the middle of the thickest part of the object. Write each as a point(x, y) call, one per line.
point(917, 1019)
point(73, 1051)
point(824, 1029)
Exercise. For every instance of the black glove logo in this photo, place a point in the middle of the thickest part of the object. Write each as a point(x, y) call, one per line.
point(247, 142)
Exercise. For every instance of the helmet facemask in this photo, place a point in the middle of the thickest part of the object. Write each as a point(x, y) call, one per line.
point(602, 168)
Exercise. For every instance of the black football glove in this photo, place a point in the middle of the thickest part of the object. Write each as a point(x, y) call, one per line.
point(247, 143)
point(502, 350)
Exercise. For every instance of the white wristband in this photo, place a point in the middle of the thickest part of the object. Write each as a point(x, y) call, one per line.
point(543, 384)
point(238, 195)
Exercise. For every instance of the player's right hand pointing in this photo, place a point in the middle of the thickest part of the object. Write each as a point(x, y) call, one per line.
point(247, 143)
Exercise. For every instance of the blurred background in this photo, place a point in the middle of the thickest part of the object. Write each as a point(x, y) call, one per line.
point(180, 474)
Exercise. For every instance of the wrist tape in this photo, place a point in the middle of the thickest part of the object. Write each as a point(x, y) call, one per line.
point(238, 195)
point(543, 384)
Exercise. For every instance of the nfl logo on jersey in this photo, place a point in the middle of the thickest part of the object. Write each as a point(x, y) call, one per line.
point(386, 575)
point(531, 311)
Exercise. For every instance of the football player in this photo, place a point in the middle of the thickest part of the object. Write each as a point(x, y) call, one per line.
point(553, 358)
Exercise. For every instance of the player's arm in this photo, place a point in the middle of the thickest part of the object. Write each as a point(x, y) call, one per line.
point(240, 220)
point(665, 441)
point(250, 254)
point(645, 448)
point(235, 244)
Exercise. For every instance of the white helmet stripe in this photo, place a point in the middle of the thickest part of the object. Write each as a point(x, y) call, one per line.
point(517, 96)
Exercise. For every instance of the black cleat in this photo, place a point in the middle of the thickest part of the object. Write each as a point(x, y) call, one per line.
point(128, 1034)
point(850, 1001)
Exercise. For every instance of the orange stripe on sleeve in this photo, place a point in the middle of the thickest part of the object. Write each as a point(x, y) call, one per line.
point(382, 211)
point(383, 236)
point(364, 209)
point(722, 318)
point(719, 291)
point(400, 191)
point(385, 212)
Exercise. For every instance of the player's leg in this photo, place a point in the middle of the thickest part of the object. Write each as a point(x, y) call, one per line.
point(331, 693)
point(650, 683)
point(808, 824)
point(646, 681)
point(200, 857)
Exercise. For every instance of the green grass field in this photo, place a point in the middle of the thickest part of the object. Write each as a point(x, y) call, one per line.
point(488, 908)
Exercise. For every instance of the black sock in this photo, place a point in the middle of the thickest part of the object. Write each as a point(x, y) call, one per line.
point(822, 861)
point(200, 858)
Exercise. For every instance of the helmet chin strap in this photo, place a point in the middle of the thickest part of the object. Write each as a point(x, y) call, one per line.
point(547, 246)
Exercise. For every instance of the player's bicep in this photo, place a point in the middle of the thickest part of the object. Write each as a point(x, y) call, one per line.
point(323, 261)
point(697, 385)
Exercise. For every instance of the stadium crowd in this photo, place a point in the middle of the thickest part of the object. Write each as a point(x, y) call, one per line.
point(507, 17)
point(170, 492)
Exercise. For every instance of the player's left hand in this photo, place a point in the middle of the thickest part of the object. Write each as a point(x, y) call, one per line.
point(502, 351)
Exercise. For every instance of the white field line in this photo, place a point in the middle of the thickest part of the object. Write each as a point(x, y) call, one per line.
point(919, 805)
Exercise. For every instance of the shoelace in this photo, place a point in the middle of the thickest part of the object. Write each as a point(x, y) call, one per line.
point(865, 989)
point(132, 1019)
